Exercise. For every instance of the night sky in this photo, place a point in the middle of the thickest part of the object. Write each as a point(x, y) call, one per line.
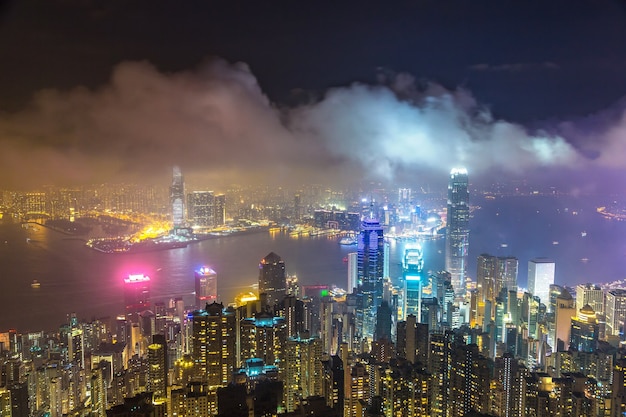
point(290, 91)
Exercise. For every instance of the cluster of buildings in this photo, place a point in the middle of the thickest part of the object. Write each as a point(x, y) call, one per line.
point(430, 343)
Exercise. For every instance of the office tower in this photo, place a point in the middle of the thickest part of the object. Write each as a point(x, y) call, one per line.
point(213, 343)
point(590, 294)
point(137, 293)
point(563, 314)
point(493, 274)
point(414, 276)
point(540, 277)
point(370, 259)
point(200, 208)
point(457, 229)
point(383, 322)
point(353, 272)
point(486, 277)
point(615, 312)
point(206, 286)
point(584, 331)
point(506, 273)
point(177, 198)
point(272, 279)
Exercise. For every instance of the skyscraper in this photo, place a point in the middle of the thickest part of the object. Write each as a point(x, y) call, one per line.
point(457, 229)
point(540, 277)
point(213, 343)
point(370, 269)
point(615, 312)
point(177, 198)
point(272, 279)
point(136, 293)
point(590, 294)
point(200, 208)
point(353, 280)
point(206, 286)
point(413, 274)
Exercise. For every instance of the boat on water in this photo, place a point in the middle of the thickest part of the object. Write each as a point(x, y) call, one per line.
point(35, 284)
point(347, 241)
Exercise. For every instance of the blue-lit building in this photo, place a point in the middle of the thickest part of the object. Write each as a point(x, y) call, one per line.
point(413, 275)
point(457, 229)
point(370, 272)
point(584, 330)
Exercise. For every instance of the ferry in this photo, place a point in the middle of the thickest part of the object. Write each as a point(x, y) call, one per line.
point(35, 284)
point(347, 241)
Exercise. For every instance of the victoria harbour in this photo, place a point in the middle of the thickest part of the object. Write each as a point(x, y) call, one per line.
point(76, 279)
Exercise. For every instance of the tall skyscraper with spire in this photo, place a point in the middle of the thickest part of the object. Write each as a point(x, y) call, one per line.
point(370, 273)
point(457, 230)
point(177, 198)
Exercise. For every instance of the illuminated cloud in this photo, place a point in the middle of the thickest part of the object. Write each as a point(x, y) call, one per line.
point(217, 124)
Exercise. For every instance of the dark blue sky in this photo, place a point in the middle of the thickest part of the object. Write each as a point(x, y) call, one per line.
point(527, 60)
point(98, 90)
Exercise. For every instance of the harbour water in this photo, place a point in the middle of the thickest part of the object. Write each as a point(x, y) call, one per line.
point(73, 278)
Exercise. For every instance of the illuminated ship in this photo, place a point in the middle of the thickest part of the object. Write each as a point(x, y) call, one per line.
point(347, 241)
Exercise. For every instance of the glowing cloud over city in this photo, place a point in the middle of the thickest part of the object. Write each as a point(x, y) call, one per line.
point(216, 119)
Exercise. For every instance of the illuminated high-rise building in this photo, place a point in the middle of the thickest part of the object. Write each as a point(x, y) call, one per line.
point(506, 274)
point(370, 270)
point(219, 210)
point(590, 294)
point(177, 198)
point(457, 229)
point(213, 343)
point(358, 383)
point(353, 272)
point(200, 208)
point(303, 370)
point(206, 286)
point(584, 330)
point(485, 287)
point(157, 371)
point(615, 312)
point(136, 293)
point(540, 277)
point(407, 390)
point(205, 209)
point(272, 278)
point(413, 274)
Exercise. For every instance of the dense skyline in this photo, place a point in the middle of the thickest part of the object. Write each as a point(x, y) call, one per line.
point(315, 93)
